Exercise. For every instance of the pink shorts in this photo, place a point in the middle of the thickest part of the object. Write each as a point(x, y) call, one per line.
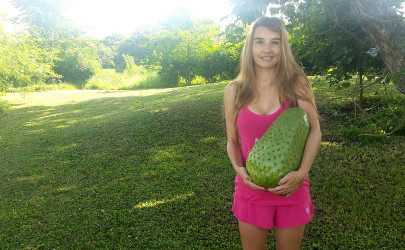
point(273, 216)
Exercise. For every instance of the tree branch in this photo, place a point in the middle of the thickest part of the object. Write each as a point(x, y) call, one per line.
point(401, 125)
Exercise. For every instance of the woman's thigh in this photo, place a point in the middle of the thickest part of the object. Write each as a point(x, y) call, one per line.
point(289, 237)
point(253, 237)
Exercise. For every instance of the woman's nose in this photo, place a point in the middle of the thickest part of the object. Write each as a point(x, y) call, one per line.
point(267, 48)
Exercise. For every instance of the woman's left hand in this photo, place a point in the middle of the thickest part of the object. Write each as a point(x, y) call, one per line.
point(289, 183)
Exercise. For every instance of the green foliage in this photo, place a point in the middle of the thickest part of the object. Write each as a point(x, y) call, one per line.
point(131, 68)
point(181, 48)
point(329, 40)
point(221, 63)
point(113, 41)
point(248, 11)
point(39, 13)
point(384, 114)
point(109, 79)
point(134, 46)
point(105, 56)
point(383, 110)
point(198, 48)
point(325, 37)
point(3, 104)
point(52, 50)
point(77, 61)
point(198, 80)
point(22, 63)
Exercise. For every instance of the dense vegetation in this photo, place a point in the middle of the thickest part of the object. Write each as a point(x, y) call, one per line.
point(148, 169)
point(179, 51)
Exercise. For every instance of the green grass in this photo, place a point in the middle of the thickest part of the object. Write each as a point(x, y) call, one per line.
point(104, 79)
point(148, 169)
point(109, 79)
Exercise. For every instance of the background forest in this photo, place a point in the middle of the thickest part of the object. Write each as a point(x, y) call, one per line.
point(327, 40)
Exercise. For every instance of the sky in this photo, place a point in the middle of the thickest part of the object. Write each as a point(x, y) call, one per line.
point(100, 18)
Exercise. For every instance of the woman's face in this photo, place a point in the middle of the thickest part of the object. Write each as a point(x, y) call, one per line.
point(266, 48)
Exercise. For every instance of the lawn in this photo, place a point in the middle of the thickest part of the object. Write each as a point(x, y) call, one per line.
point(148, 169)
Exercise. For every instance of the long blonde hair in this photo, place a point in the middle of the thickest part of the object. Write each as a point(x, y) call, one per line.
point(292, 81)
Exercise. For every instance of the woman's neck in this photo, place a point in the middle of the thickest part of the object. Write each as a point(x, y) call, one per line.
point(264, 76)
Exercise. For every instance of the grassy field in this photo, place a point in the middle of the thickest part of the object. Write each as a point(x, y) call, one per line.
point(148, 169)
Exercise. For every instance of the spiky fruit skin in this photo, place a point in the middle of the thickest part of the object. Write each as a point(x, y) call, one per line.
point(280, 149)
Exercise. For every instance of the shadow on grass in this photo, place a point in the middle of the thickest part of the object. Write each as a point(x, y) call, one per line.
point(117, 170)
point(122, 169)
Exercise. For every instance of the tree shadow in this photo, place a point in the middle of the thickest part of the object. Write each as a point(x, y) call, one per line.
point(86, 163)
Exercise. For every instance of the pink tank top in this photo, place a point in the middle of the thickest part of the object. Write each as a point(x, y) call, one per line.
point(251, 127)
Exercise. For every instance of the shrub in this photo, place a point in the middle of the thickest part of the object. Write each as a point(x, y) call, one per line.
point(77, 63)
point(3, 104)
point(109, 79)
point(131, 68)
point(21, 62)
point(198, 80)
point(105, 56)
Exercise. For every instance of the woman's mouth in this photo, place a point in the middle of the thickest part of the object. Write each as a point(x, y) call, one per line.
point(267, 58)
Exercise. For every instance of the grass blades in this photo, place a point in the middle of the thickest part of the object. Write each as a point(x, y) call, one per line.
point(148, 169)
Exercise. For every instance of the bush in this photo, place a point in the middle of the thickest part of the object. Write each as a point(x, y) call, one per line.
point(109, 79)
point(3, 104)
point(169, 75)
point(131, 68)
point(21, 62)
point(105, 56)
point(78, 63)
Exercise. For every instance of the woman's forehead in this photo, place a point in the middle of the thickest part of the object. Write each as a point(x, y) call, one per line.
point(265, 33)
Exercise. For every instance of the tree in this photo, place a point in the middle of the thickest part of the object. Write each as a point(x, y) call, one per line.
point(74, 58)
point(328, 41)
point(369, 23)
point(248, 11)
point(134, 46)
point(113, 41)
point(22, 63)
point(105, 56)
point(195, 48)
point(333, 36)
point(44, 17)
point(386, 30)
point(78, 60)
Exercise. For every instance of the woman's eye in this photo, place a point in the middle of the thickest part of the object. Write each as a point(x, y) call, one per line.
point(276, 43)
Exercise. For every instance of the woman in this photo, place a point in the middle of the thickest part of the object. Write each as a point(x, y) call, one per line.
point(269, 82)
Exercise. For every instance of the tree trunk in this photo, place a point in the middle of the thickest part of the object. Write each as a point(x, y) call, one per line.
point(188, 66)
point(361, 87)
point(387, 32)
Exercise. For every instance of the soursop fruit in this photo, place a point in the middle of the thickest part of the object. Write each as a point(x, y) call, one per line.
point(280, 149)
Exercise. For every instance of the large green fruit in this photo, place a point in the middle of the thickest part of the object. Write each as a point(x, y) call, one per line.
point(279, 151)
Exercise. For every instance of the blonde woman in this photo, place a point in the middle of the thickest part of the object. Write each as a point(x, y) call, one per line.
point(269, 82)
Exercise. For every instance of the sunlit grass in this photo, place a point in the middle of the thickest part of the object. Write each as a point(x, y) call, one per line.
point(109, 79)
point(148, 169)
point(154, 203)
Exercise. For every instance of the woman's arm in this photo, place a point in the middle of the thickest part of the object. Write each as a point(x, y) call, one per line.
point(314, 138)
point(233, 147)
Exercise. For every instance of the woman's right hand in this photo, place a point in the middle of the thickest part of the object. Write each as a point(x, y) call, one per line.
point(247, 180)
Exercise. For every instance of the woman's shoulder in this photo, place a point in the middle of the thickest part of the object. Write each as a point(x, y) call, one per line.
point(230, 89)
point(232, 86)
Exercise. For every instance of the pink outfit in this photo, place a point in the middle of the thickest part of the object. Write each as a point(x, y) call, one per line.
point(256, 206)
